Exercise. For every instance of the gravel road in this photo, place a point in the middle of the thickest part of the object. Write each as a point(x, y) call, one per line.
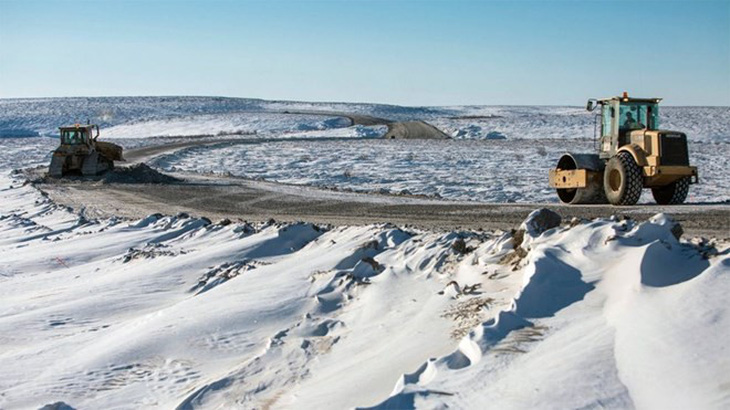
point(241, 199)
point(237, 198)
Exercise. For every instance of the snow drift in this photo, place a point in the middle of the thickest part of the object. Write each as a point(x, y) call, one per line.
point(176, 311)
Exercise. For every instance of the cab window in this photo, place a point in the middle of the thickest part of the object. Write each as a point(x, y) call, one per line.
point(607, 117)
point(72, 137)
point(638, 116)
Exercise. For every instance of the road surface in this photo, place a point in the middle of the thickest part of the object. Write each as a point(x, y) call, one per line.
point(236, 198)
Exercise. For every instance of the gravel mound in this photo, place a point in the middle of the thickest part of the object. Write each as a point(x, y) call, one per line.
point(414, 130)
point(137, 174)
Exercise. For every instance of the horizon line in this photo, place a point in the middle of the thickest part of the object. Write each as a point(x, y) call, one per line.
point(332, 102)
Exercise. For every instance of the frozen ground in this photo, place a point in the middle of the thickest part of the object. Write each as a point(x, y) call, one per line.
point(25, 117)
point(172, 311)
point(478, 170)
point(262, 124)
point(470, 167)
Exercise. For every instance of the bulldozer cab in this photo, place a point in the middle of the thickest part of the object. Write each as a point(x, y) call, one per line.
point(78, 135)
point(619, 116)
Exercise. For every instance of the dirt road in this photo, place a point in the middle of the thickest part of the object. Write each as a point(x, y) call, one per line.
point(237, 198)
point(241, 199)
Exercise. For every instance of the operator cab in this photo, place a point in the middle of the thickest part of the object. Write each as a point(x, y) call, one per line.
point(74, 136)
point(638, 116)
point(77, 134)
point(622, 115)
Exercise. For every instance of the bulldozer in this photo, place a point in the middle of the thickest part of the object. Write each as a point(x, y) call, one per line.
point(633, 154)
point(79, 151)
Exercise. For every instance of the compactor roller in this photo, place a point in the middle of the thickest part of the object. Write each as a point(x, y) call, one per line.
point(633, 153)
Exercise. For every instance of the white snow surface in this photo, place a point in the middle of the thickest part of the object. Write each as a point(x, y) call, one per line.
point(227, 124)
point(43, 116)
point(473, 166)
point(474, 170)
point(174, 311)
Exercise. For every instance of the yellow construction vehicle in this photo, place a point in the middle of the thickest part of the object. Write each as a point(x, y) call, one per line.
point(633, 153)
point(80, 151)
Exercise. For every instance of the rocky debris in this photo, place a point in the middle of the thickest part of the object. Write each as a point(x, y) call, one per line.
point(467, 315)
point(536, 223)
point(677, 230)
point(149, 251)
point(219, 274)
point(517, 237)
point(706, 247)
point(366, 268)
point(59, 405)
point(539, 221)
point(459, 246)
point(665, 220)
point(137, 174)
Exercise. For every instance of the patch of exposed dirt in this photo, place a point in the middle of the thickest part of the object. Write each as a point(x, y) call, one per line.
point(467, 315)
point(137, 174)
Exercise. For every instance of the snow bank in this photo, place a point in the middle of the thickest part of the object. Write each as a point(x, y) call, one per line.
point(608, 314)
point(173, 311)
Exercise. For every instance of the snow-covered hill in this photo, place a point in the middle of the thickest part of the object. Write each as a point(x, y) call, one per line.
point(173, 311)
point(147, 116)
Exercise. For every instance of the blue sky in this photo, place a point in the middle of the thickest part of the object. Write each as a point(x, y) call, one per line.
point(401, 52)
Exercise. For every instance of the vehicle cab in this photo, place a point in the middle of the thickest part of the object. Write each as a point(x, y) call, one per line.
point(78, 134)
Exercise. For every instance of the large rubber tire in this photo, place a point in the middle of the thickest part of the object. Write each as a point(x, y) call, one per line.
point(622, 180)
point(672, 194)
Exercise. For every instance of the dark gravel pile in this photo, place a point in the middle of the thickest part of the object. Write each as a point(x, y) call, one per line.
point(137, 174)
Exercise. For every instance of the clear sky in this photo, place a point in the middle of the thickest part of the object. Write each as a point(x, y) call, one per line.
point(401, 52)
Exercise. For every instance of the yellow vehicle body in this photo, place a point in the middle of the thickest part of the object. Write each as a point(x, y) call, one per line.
point(80, 152)
point(638, 155)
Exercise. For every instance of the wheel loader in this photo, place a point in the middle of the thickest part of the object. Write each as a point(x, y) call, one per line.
point(80, 151)
point(633, 153)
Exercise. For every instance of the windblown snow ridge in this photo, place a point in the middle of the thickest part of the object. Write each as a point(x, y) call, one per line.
point(177, 311)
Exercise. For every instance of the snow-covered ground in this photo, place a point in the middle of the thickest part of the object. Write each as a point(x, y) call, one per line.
point(478, 170)
point(265, 124)
point(473, 166)
point(173, 311)
point(212, 115)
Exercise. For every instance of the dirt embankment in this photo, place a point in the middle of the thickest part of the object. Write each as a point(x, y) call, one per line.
point(414, 130)
point(396, 129)
point(356, 119)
